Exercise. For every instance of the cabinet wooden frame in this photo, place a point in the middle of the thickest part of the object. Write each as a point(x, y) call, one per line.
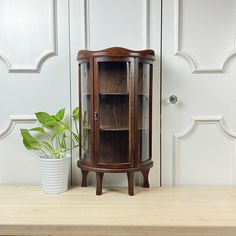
point(130, 86)
point(116, 140)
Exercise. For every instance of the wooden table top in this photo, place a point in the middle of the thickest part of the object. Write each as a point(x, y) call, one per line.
point(155, 211)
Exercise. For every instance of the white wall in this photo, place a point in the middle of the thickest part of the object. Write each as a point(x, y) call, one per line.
point(38, 70)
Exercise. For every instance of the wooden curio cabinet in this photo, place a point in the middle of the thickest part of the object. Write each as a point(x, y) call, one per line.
point(115, 96)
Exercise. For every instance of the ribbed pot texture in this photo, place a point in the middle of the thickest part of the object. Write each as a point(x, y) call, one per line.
point(55, 174)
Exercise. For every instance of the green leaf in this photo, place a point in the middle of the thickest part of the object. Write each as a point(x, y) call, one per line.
point(51, 123)
point(61, 128)
point(42, 117)
point(60, 114)
point(29, 141)
point(75, 113)
point(48, 145)
point(25, 133)
point(26, 144)
point(39, 129)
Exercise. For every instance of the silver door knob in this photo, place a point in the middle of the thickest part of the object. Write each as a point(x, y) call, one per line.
point(173, 99)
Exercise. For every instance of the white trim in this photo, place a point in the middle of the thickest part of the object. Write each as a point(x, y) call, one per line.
point(194, 65)
point(16, 119)
point(145, 23)
point(177, 138)
point(39, 60)
point(85, 24)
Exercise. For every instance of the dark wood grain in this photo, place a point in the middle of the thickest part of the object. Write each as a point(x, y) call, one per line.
point(84, 178)
point(113, 77)
point(145, 173)
point(117, 167)
point(114, 112)
point(115, 52)
point(130, 176)
point(99, 178)
point(118, 91)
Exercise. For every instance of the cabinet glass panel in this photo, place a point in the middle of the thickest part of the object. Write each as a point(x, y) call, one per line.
point(85, 148)
point(143, 111)
point(113, 112)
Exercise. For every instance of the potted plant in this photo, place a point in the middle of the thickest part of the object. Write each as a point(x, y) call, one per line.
point(55, 139)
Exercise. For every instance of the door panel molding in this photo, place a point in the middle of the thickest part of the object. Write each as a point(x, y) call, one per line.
point(13, 120)
point(178, 138)
point(194, 64)
point(36, 65)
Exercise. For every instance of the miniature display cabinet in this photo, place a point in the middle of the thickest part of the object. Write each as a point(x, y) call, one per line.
point(115, 99)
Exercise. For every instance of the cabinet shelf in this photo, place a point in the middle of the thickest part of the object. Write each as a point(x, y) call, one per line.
point(113, 129)
point(119, 129)
point(113, 94)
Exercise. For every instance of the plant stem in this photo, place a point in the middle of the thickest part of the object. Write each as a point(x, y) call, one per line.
point(44, 153)
point(47, 148)
point(76, 126)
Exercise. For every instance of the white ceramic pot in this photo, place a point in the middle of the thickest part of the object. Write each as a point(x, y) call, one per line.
point(55, 174)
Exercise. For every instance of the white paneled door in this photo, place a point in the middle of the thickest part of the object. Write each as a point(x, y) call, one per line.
point(34, 76)
point(199, 92)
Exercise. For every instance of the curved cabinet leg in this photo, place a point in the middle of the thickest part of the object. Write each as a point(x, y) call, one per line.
point(145, 178)
point(130, 176)
point(99, 178)
point(84, 178)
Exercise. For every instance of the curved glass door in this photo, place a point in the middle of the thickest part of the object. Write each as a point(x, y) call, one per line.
point(85, 109)
point(144, 103)
point(113, 94)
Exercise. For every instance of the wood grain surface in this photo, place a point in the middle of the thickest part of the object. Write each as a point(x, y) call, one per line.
point(155, 211)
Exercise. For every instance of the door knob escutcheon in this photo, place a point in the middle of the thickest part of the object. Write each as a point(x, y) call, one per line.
point(173, 99)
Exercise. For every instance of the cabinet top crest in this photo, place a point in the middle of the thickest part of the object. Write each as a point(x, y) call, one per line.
point(116, 52)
